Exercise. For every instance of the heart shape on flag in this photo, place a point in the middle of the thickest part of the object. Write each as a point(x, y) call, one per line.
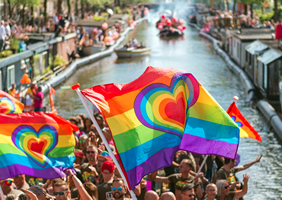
point(165, 108)
point(7, 105)
point(36, 145)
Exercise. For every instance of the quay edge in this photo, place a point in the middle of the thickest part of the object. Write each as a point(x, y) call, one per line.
point(57, 80)
point(263, 106)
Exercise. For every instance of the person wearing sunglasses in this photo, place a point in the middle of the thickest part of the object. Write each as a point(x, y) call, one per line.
point(187, 192)
point(89, 170)
point(61, 191)
point(119, 189)
point(224, 193)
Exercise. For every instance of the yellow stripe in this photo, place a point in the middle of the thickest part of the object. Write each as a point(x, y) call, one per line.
point(243, 133)
point(64, 140)
point(123, 122)
point(206, 98)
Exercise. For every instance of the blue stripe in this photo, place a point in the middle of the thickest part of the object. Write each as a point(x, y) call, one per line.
point(211, 131)
point(10, 159)
point(141, 153)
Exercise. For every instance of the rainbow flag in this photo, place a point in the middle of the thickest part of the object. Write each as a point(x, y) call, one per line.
point(162, 111)
point(37, 144)
point(246, 130)
point(9, 104)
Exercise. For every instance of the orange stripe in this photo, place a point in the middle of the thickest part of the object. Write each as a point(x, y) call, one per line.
point(125, 102)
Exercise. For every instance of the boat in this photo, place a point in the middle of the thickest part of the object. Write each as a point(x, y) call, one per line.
point(132, 52)
point(170, 32)
point(89, 50)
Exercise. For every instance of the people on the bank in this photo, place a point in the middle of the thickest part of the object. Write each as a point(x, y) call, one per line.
point(38, 100)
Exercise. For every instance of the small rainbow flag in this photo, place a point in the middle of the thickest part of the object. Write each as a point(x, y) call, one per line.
point(246, 130)
point(9, 104)
point(37, 144)
point(162, 111)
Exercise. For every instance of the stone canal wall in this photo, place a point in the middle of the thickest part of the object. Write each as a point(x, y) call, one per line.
point(263, 106)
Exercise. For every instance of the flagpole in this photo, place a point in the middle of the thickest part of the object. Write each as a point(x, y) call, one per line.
point(76, 88)
point(2, 194)
point(204, 161)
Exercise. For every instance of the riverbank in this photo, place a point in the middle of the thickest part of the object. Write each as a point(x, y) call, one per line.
point(263, 106)
point(63, 76)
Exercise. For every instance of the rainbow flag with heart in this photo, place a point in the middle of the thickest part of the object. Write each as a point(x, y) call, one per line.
point(37, 144)
point(162, 111)
point(9, 104)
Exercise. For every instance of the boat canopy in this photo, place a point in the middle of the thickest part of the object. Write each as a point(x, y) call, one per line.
point(269, 56)
point(256, 47)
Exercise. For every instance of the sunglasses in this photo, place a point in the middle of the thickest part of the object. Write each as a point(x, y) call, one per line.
point(190, 195)
point(226, 187)
point(88, 152)
point(60, 193)
point(119, 189)
point(81, 141)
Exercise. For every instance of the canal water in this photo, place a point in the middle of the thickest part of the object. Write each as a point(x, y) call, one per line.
point(195, 55)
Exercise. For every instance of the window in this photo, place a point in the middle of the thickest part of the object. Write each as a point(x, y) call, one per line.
point(10, 76)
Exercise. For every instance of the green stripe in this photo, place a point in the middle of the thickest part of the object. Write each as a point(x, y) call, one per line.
point(135, 137)
point(210, 113)
point(55, 153)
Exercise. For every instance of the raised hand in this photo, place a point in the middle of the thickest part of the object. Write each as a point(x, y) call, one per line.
point(245, 178)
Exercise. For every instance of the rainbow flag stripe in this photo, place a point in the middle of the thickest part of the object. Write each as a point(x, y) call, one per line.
point(37, 144)
point(246, 129)
point(160, 112)
point(9, 104)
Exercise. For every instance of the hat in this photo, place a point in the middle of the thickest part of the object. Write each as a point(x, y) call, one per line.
point(105, 155)
point(7, 181)
point(33, 82)
point(40, 191)
point(79, 153)
point(108, 167)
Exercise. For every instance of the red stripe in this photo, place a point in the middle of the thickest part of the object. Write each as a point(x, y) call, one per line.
point(35, 118)
point(108, 91)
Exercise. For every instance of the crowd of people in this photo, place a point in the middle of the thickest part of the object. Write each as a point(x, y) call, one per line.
point(97, 178)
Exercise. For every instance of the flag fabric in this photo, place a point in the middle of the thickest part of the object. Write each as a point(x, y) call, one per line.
point(9, 104)
point(162, 111)
point(246, 130)
point(37, 144)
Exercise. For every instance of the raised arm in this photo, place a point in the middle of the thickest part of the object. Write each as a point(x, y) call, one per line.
point(247, 165)
point(240, 193)
point(81, 190)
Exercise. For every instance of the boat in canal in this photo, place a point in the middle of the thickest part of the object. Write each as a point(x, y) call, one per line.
point(132, 52)
point(170, 32)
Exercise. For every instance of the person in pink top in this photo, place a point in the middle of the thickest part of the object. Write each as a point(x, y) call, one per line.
point(38, 100)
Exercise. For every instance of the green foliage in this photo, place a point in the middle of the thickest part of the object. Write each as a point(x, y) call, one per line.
point(36, 57)
point(35, 3)
point(268, 16)
point(98, 18)
point(117, 10)
point(15, 43)
point(59, 61)
point(46, 70)
point(127, 11)
point(6, 53)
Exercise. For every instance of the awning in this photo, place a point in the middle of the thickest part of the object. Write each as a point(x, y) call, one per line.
point(256, 47)
point(269, 56)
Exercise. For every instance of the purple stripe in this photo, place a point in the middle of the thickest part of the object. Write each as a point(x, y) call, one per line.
point(17, 169)
point(157, 161)
point(204, 146)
